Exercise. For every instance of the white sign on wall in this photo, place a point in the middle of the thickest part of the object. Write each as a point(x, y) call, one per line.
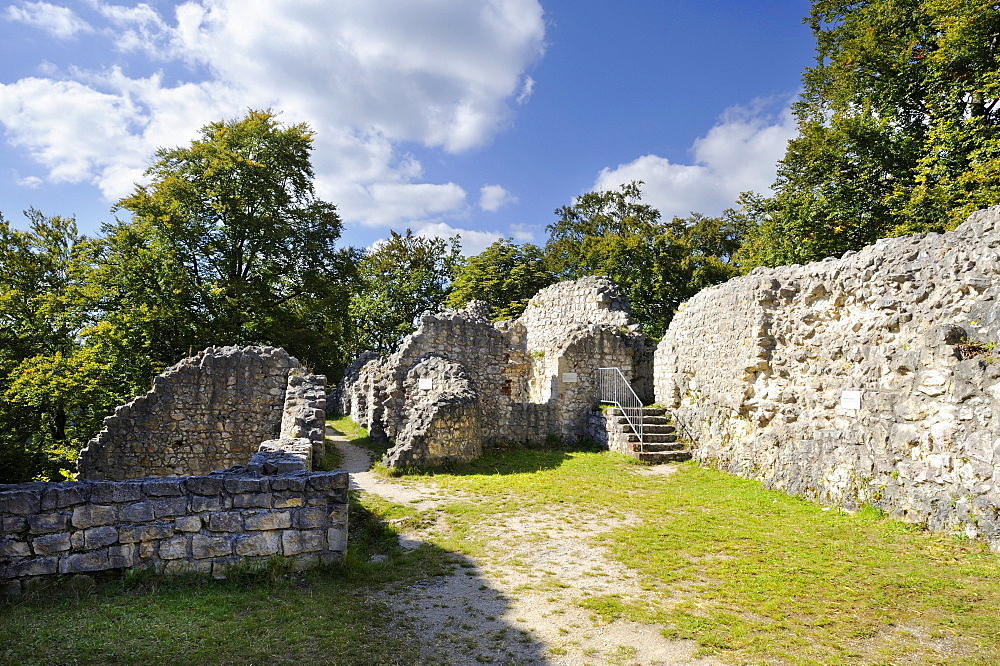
point(570, 378)
point(425, 384)
point(850, 399)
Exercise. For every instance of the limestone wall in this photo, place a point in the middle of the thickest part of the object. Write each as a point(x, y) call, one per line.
point(207, 412)
point(523, 380)
point(195, 524)
point(870, 378)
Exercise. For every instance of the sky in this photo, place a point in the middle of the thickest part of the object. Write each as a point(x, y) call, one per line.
point(471, 117)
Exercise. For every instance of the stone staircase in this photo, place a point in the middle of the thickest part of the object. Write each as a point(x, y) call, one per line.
point(659, 439)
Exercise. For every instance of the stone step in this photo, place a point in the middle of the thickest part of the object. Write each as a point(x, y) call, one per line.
point(649, 447)
point(646, 420)
point(658, 457)
point(650, 438)
point(646, 412)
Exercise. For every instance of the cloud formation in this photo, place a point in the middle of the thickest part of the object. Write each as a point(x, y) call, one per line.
point(369, 76)
point(494, 197)
point(739, 153)
point(60, 22)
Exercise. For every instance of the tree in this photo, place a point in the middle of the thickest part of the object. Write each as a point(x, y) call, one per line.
point(229, 244)
point(55, 391)
point(898, 129)
point(505, 275)
point(657, 264)
point(400, 279)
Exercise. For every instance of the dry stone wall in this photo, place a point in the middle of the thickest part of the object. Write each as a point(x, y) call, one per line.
point(196, 524)
point(871, 378)
point(517, 380)
point(208, 412)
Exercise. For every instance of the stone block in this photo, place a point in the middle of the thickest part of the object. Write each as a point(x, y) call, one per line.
point(174, 506)
point(94, 515)
point(267, 520)
point(336, 539)
point(137, 512)
point(262, 543)
point(33, 566)
point(174, 549)
point(51, 544)
point(44, 523)
point(121, 557)
point(144, 533)
point(163, 487)
point(287, 501)
point(201, 504)
point(204, 485)
point(187, 523)
point(63, 495)
point(313, 517)
point(82, 562)
point(13, 524)
point(225, 521)
point(21, 502)
point(115, 492)
point(245, 485)
point(294, 542)
point(252, 501)
point(328, 480)
point(290, 482)
point(14, 548)
point(211, 546)
point(99, 537)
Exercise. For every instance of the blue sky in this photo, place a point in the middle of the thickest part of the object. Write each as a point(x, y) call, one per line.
point(477, 117)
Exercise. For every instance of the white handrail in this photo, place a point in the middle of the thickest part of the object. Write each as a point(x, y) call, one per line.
point(613, 388)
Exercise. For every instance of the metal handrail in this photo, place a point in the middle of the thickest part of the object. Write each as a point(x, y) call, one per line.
point(613, 388)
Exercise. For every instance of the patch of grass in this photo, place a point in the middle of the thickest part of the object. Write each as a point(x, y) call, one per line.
point(261, 614)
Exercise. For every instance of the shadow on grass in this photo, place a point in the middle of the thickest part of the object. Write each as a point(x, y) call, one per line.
point(507, 458)
point(380, 605)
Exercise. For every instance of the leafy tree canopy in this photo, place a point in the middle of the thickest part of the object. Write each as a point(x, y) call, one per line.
point(229, 244)
point(505, 275)
point(658, 264)
point(400, 279)
point(898, 129)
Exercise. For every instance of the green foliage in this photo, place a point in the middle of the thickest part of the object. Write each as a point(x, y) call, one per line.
point(505, 275)
point(898, 129)
point(55, 390)
point(228, 244)
point(657, 264)
point(400, 279)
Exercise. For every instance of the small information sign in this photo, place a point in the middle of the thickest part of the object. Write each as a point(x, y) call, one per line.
point(569, 378)
point(426, 384)
point(850, 400)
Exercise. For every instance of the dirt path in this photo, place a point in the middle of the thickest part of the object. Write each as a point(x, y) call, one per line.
point(519, 602)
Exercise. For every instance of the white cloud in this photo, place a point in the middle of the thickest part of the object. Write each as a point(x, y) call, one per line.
point(472, 241)
point(31, 182)
point(60, 22)
point(493, 197)
point(368, 75)
point(739, 153)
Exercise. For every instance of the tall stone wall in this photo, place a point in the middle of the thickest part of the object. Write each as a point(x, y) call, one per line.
point(197, 524)
point(519, 380)
point(207, 412)
point(871, 378)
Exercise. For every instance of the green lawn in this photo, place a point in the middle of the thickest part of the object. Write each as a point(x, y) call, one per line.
point(752, 575)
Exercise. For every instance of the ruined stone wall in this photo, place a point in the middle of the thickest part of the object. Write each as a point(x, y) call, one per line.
point(207, 412)
point(866, 379)
point(196, 524)
point(528, 379)
point(304, 413)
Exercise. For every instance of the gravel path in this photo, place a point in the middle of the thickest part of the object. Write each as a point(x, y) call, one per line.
point(518, 603)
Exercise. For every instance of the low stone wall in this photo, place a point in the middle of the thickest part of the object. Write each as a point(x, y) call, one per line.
point(867, 379)
point(207, 412)
point(199, 524)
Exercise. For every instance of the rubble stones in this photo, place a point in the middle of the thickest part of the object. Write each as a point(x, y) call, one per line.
point(758, 369)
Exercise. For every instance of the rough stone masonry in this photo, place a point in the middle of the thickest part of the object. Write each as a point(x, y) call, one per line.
point(872, 378)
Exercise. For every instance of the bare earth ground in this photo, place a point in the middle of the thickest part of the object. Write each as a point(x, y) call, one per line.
point(518, 602)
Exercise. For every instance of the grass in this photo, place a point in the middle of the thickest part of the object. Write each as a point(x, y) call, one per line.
point(751, 575)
